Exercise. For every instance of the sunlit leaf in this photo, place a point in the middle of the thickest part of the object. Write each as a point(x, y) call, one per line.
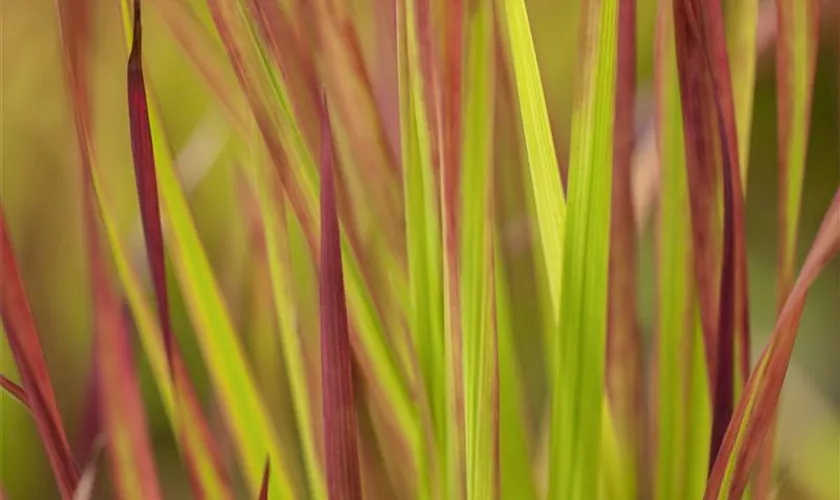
point(578, 395)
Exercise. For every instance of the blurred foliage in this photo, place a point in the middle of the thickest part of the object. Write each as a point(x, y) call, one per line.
point(39, 190)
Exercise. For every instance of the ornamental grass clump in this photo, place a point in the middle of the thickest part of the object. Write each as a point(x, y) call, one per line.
point(434, 289)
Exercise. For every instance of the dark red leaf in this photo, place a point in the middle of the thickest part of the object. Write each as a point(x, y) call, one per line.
point(144, 172)
point(710, 139)
point(340, 430)
point(25, 345)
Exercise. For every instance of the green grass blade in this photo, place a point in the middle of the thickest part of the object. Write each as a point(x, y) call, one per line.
point(515, 467)
point(796, 51)
point(742, 24)
point(194, 440)
point(542, 159)
point(683, 412)
point(480, 376)
point(578, 397)
point(275, 237)
point(424, 250)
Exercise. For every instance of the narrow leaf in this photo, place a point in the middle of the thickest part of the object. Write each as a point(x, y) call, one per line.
point(275, 236)
point(741, 18)
point(542, 159)
point(480, 366)
point(25, 345)
point(683, 414)
point(710, 133)
point(796, 52)
point(340, 431)
point(15, 391)
point(578, 397)
point(432, 326)
point(753, 415)
point(121, 404)
point(624, 344)
point(144, 171)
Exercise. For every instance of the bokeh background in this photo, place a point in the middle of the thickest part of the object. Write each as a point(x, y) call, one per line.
point(39, 190)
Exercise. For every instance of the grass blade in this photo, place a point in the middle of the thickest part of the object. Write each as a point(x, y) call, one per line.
point(742, 25)
point(340, 430)
point(480, 354)
point(144, 171)
point(120, 402)
point(245, 415)
point(15, 391)
point(710, 130)
point(25, 345)
point(195, 442)
point(752, 417)
point(624, 344)
point(274, 236)
point(578, 398)
point(542, 159)
point(683, 422)
point(427, 290)
point(796, 52)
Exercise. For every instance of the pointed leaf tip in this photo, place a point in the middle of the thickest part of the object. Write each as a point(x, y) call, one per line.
point(142, 151)
point(341, 453)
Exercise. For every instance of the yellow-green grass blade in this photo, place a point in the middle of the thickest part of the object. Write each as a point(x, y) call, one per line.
point(578, 395)
point(683, 411)
point(245, 414)
point(544, 171)
point(515, 468)
point(148, 327)
point(275, 237)
point(480, 376)
point(423, 244)
point(741, 27)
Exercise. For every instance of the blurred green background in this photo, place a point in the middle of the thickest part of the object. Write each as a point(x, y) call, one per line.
point(39, 188)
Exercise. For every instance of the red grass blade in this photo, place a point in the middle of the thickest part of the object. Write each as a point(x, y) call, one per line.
point(265, 478)
point(121, 404)
point(710, 134)
point(752, 417)
point(794, 112)
point(624, 350)
point(144, 171)
point(340, 430)
point(15, 391)
point(73, 18)
point(25, 345)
